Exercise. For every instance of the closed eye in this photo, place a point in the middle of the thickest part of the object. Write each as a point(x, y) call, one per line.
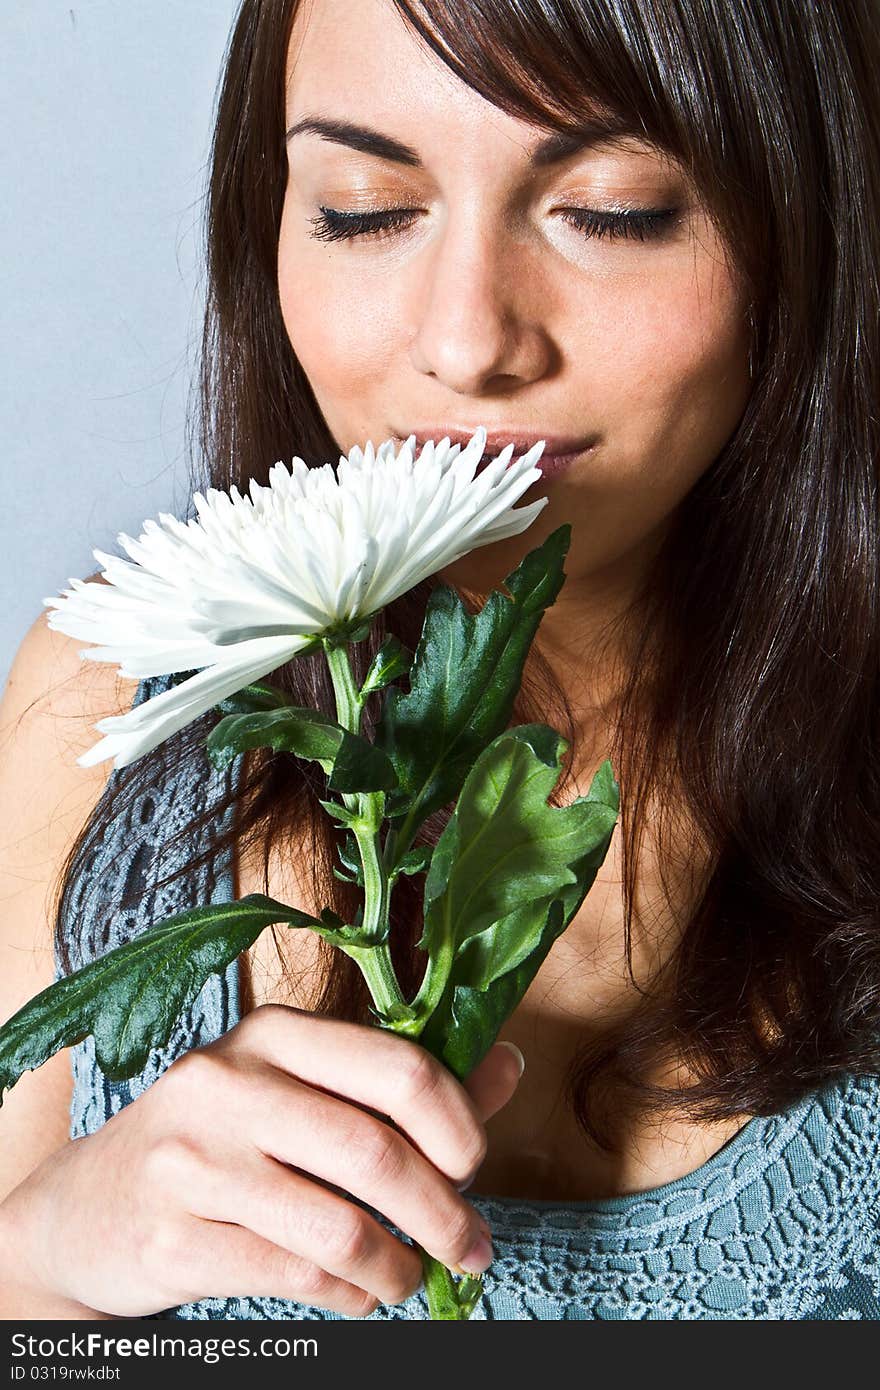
point(341, 226)
point(638, 224)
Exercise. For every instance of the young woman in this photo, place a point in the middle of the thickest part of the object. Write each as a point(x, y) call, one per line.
point(650, 238)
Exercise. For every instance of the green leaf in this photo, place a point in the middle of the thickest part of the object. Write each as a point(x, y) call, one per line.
point(253, 698)
point(397, 1013)
point(334, 921)
point(507, 876)
point(353, 763)
point(392, 659)
point(130, 998)
point(464, 679)
point(360, 766)
point(347, 630)
point(473, 1015)
point(504, 846)
point(504, 946)
point(469, 1292)
point(350, 858)
point(340, 814)
point(415, 861)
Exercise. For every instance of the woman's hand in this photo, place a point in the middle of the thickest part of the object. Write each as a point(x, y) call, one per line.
point(212, 1183)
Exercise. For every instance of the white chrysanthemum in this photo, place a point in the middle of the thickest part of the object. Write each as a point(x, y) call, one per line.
point(251, 581)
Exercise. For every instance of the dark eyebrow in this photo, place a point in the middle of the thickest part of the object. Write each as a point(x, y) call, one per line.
point(552, 150)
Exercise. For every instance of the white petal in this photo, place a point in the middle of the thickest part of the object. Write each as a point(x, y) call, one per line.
point(245, 583)
point(148, 724)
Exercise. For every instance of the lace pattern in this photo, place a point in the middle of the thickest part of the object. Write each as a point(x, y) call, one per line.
point(134, 851)
point(782, 1223)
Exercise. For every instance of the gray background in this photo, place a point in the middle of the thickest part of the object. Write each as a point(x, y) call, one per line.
point(105, 113)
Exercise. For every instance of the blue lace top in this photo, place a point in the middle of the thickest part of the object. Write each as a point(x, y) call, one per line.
point(783, 1222)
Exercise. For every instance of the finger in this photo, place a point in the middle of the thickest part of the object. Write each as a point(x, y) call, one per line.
point(342, 1144)
point(378, 1069)
point(215, 1259)
point(492, 1084)
point(289, 1210)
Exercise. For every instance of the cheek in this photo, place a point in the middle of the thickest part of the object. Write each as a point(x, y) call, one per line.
point(679, 382)
point(339, 327)
point(667, 377)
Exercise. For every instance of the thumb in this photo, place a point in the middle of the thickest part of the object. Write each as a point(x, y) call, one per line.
point(492, 1083)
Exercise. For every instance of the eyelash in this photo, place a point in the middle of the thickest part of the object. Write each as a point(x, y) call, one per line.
point(640, 224)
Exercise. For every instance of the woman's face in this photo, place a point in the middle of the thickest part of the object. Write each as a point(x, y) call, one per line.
point(489, 305)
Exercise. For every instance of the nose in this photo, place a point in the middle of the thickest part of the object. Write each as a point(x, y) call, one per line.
point(477, 325)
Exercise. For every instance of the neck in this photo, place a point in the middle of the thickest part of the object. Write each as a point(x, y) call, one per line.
point(583, 639)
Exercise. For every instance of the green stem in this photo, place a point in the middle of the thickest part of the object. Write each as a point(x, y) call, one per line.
point(432, 987)
point(375, 965)
point(348, 701)
point(370, 807)
point(377, 894)
point(447, 1300)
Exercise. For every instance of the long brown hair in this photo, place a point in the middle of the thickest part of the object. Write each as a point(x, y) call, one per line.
point(761, 609)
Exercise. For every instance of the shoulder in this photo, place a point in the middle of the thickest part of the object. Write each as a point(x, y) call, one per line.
point(49, 708)
point(53, 694)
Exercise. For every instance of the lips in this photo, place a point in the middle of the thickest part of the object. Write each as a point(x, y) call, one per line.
point(550, 465)
point(488, 458)
point(559, 452)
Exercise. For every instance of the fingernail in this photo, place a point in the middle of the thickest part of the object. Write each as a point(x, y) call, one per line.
point(520, 1059)
point(479, 1258)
